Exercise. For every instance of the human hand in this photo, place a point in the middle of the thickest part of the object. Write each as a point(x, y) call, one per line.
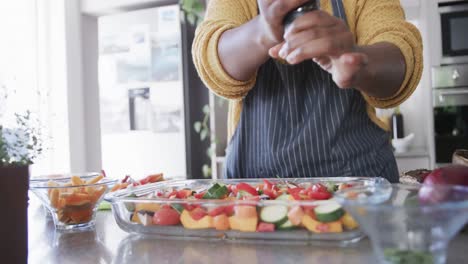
point(326, 40)
point(272, 13)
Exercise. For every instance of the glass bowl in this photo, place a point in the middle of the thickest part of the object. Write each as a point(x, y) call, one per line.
point(59, 176)
point(403, 227)
point(139, 210)
point(72, 201)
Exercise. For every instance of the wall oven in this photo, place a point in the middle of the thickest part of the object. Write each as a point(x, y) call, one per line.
point(454, 28)
point(450, 100)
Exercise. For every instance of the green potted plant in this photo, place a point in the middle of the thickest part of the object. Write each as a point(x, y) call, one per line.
point(20, 145)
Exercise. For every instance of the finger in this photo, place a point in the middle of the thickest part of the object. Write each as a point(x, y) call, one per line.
point(324, 62)
point(311, 19)
point(298, 39)
point(347, 68)
point(279, 8)
point(274, 51)
point(334, 46)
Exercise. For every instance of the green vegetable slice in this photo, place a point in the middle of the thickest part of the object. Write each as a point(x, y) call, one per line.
point(329, 212)
point(275, 214)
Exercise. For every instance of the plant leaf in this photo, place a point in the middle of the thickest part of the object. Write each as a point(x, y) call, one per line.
point(210, 151)
point(197, 126)
point(191, 18)
point(206, 170)
point(206, 109)
point(203, 134)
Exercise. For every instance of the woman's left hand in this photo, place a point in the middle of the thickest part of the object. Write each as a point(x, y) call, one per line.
point(326, 40)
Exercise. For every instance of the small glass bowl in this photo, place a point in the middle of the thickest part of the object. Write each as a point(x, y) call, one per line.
point(404, 228)
point(72, 207)
point(60, 176)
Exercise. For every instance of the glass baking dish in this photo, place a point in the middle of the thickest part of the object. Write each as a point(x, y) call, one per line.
point(131, 204)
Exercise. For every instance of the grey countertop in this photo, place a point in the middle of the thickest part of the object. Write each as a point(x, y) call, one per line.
point(109, 244)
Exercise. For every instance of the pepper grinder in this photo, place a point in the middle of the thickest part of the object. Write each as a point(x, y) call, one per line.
point(397, 124)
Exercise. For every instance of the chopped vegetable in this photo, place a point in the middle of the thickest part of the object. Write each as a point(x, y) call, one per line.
point(329, 212)
point(166, 216)
point(275, 214)
point(265, 227)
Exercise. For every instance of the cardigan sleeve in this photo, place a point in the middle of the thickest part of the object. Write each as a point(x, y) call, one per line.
point(384, 21)
point(221, 15)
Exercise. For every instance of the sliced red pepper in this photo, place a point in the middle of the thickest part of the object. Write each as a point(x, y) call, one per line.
point(183, 194)
point(199, 195)
point(125, 179)
point(269, 185)
point(318, 192)
point(217, 211)
point(295, 193)
point(271, 193)
point(320, 195)
point(318, 187)
point(229, 210)
point(198, 213)
point(246, 188)
point(265, 227)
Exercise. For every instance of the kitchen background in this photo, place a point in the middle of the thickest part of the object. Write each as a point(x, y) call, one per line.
point(114, 87)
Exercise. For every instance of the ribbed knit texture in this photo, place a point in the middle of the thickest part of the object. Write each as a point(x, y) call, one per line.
point(371, 21)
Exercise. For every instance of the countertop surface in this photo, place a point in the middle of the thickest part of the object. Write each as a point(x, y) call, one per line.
point(109, 244)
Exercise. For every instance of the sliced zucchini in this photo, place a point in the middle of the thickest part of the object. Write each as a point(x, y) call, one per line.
point(329, 212)
point(286, 225)
point(275, 214)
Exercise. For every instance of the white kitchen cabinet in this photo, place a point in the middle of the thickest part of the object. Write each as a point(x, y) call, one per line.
point(416, 158)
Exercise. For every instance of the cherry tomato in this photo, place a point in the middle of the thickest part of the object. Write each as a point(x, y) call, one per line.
point(166, 216)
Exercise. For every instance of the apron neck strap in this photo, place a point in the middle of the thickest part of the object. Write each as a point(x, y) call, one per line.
point(338, 9)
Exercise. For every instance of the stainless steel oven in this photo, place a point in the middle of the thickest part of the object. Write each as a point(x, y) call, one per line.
point(450, 100)
point(454, 29)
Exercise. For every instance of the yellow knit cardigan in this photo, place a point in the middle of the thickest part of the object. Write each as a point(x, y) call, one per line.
point(371, 21)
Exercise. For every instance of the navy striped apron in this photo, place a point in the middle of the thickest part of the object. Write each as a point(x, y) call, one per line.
point(296, 122)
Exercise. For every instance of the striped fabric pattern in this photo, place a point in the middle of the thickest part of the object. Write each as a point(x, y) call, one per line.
point(296, 122)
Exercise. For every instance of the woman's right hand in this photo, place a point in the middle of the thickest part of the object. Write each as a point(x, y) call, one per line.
point(271, 15)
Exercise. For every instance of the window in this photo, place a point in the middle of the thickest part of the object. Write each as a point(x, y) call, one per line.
point(32, 70)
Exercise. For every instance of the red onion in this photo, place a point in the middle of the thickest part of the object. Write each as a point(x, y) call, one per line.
point(451, 175)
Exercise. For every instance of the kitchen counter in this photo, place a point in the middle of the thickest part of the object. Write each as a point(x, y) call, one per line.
point(109, 244)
